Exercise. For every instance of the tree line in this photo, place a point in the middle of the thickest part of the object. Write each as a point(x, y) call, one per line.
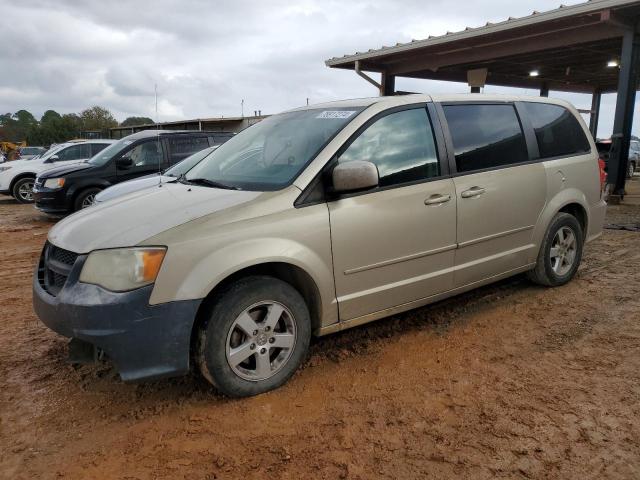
point(55, 128)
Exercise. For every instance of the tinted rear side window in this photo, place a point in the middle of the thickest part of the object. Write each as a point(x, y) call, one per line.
point(181, 146)
point(485, 136)
point(97, 148)
point(557, 130)
point(218, 139)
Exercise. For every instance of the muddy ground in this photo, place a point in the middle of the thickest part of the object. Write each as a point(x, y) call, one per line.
point(510, 381)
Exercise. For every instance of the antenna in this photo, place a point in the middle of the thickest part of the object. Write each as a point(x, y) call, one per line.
point(158, 149)
point(242, 108)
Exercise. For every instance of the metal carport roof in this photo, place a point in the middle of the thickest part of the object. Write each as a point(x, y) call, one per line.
point(591, 47)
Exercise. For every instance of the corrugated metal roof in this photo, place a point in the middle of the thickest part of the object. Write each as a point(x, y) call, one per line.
point(511, 23)
point(193, 121)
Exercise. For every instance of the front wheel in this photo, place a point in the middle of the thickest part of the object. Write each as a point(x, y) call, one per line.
point(23, 190)
point(560, 253)
point(631, 169)
point(254, 336)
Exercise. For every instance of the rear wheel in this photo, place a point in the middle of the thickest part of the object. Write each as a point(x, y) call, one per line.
point(86, 198)
point(23, 190)
point(631, 169)
point(560, 253)
point(255, 335)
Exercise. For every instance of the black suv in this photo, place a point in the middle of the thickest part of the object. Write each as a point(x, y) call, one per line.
point(67, 189)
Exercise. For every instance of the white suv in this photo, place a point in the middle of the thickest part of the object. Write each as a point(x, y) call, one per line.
point(17, 177)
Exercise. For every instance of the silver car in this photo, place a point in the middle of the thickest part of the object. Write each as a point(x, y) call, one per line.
point(321, 219)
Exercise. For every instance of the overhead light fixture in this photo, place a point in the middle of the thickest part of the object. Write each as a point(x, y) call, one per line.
point(613, 63)
point(534, 73)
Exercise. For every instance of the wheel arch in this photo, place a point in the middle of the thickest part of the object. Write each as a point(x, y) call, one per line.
point(580, 213)
point(571, 201)
point(21, 176)
point(292, 274)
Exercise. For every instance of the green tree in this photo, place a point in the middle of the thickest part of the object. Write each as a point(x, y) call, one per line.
point(14, 128)
point(47, 131)
point(49, 116)
point(55, 128)
point(71, 124)
point(97, 118)
point(132, 121)
point(24, 117)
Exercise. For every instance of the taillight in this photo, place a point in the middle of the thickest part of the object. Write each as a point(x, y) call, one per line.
point(603, 174)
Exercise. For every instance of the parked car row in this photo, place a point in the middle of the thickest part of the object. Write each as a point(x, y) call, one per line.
point(310, 222)
point(17, 178)
point(68, 176)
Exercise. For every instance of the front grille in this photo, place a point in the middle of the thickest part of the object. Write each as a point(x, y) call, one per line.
point(55, 267)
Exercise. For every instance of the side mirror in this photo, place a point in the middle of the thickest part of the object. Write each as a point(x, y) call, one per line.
point(355, 175)
point(53, 158)
point(124, 163)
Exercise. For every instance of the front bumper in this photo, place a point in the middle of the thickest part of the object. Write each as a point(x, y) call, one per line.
point(144, 341)
point(51, 201)
point(5, 184)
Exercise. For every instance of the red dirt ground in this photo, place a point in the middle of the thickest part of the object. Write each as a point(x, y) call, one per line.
point(510, 381)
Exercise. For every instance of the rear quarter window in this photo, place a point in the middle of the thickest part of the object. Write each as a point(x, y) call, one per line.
point(557, 130)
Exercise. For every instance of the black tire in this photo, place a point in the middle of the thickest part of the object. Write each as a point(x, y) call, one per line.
point(218, 327)
point(631, 169)
point(84, 197)
point(543, 273)
point(18, 190)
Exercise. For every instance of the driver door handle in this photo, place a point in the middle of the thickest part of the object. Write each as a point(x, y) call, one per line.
point(472, 192)
point(437, 199)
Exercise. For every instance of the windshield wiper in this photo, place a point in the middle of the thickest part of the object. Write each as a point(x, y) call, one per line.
point(205, 182)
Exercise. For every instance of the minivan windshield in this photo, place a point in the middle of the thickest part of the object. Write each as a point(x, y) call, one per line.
point(271, 154)
point(108, 153)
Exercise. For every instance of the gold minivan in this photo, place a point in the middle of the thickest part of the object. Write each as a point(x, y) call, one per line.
point(316, 220)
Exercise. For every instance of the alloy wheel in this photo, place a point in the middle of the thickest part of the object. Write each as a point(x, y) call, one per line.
point(88, 200)
point(563, 251)
point(261, 340)
point(25, 192)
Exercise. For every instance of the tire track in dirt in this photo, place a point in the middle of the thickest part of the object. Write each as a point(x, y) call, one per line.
point(508, 381)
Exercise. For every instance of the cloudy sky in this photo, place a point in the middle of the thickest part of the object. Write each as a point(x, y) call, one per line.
point(206, 56)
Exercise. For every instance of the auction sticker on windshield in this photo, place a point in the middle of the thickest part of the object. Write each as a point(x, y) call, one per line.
point(336, 114)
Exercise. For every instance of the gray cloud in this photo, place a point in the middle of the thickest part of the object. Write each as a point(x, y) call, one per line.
point(206, 57)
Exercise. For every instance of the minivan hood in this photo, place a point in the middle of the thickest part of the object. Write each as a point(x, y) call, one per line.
point(64, 170)
point(128, 220)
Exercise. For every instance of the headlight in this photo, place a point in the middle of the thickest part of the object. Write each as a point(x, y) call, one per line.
point(123, 269)
point(4, 169)
point(54, 183)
